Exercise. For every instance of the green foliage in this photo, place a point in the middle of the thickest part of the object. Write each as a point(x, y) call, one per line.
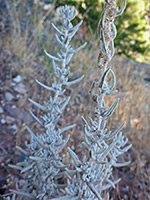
point(132, 31)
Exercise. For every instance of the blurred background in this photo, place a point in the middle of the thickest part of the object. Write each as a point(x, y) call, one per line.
point(25, 31)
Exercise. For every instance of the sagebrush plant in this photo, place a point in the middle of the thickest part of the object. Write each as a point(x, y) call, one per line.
point(43, 167)
point(43, 163)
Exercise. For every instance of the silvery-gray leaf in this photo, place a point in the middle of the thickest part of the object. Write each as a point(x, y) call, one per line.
point(75, 81)
point(123, 6)
point(115, 132)
point(22, 150)
point(69, 58)
point(27, 168)
point(57, 109)
point(110, 111)
point(88, 142)
point(30, 196)
point(104, 187)
point(61, 33)
point(78, 49)
point(125, 149)
point(38, 105)
point(62, 166)
point(60, 146)
point(36, 138)
point(121, 164)
point(45, 86)
point(52, 57)
point(65, 104)
point(36, 158)
point(85, 145)
point(55, 69)
point(59, 41)
point(113, 81)
point(93, 189)
point(75, 29)
point(70, 172)
point(66, 128)
point(15, 167)
point(110, 147)
point(33, 115)
point(92, 122)
point(102, 80)
point(74, 157)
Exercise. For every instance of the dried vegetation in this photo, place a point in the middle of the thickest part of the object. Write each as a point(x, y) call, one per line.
point(20, 54)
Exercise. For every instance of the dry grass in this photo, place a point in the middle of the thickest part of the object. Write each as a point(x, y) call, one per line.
point(28, 33)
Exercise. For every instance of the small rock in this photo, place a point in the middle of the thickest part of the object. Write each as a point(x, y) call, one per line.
point(3, 121)
point(13, 84)
point(17, 96)
point(20, 88)
point(8, 96)
point(14, 127)
point(9, 120)
point(17, 79)
point(25, 117)
point(11, 110)
point(13, 106)
point(1, 110)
